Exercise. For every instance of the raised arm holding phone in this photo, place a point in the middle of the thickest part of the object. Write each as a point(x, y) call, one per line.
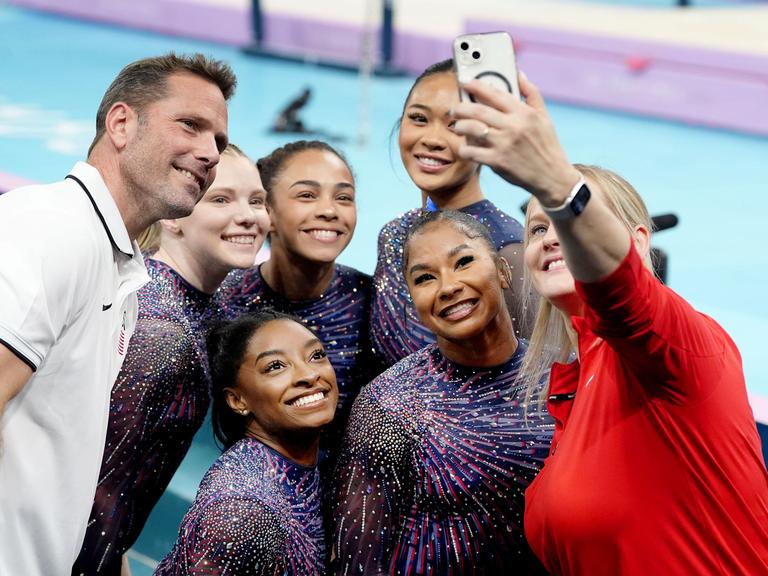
point(655, 465)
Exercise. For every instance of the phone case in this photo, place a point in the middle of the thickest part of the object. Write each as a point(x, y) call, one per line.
point(489, 57)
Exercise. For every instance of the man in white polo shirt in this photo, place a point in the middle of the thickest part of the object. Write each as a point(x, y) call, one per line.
point(69, 271)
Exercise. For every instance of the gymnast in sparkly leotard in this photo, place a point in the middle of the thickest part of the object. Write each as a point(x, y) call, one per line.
point(438, 450)
point(311, 201)
point(257, 511)
point(162, 393)
point(429, 151)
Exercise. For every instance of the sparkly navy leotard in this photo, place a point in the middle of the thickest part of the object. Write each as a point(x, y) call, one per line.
point(158, 403)
point(432, 472)
point(256, 514)
point(395, 329)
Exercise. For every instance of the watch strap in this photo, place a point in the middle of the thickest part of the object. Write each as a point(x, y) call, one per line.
point(573, 205)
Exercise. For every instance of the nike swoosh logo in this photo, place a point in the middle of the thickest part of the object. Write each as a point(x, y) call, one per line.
point(105, 307)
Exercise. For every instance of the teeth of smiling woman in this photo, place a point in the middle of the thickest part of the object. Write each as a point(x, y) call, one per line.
point(556, 264)
point(241, 239)
point(461, 307)
point(324, 234)
point(304, 400)
point(431, 161)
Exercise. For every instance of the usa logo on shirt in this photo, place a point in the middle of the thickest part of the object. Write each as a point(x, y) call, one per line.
point(121, 340)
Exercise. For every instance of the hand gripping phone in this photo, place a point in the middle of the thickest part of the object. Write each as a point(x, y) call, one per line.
point(489, 57)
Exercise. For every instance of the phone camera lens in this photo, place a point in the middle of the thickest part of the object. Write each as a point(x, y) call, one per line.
point(464, 46)
point(476, 55)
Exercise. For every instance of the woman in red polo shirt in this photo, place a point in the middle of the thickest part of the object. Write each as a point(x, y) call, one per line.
point(655, 466)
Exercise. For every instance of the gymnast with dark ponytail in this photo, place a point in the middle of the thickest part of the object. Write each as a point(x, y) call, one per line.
point(258, 508)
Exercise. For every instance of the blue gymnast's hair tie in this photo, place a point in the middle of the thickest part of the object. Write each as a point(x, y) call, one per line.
point(431, 206)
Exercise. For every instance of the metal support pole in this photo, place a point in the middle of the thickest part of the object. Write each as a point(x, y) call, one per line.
point(257, 24)
point(387, 34)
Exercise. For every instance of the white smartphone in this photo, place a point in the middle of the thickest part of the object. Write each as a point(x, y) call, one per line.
point(489, 57)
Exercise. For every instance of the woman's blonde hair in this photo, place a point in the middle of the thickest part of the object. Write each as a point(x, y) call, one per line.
point(149, 239)
point(549, 340)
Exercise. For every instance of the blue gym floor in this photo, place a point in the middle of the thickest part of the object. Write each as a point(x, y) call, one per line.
point(53, 72)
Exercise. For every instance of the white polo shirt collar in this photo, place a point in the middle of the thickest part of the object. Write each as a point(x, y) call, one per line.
point(90, 180)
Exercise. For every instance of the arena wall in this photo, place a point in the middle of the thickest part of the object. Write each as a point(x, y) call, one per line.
point(700, 66)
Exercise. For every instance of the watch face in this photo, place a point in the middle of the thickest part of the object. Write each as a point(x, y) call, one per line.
point(579, 201)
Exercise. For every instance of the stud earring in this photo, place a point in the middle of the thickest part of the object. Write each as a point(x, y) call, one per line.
point(244, 412)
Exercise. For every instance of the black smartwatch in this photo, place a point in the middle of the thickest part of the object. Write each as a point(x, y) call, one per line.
point(573, 206)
